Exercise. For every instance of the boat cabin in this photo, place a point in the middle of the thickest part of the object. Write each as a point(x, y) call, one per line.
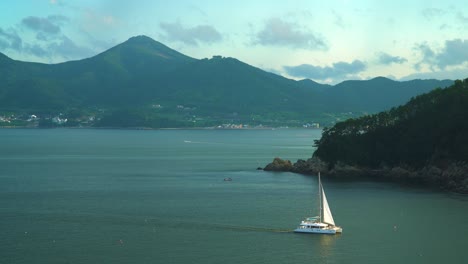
point(308, 224)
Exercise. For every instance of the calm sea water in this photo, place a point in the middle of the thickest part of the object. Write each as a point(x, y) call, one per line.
point(127, 196)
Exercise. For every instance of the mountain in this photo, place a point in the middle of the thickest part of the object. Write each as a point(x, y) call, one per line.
point(229, 85)
point(377, 94)
point(116, 76)
point(158, 83)
point(315, 86)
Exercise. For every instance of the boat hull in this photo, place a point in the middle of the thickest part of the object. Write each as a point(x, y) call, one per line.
point(312, 230)
point(315, 231)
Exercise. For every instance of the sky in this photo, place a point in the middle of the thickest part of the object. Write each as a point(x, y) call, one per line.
point(325, 41)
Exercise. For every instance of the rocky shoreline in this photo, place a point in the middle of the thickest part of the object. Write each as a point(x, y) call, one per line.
point(453, 177)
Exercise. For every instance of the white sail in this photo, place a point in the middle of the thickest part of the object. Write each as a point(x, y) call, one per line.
point(327, 215)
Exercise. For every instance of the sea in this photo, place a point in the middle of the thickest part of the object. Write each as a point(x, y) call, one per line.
point(196, 196)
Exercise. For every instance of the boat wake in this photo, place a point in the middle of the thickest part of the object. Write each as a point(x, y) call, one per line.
point(188, 224)
point(254, 228)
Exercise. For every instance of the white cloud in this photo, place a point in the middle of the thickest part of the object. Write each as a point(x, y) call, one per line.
point(277, 32)
point(191, 36)
point(453, 53)
point(387, 59)
point(50, 43)
point(440, 75)
point(433, 13)
point(338, 70)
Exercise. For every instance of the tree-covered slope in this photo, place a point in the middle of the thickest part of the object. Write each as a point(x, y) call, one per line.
point(229, 85)
point(430, 130)
point(120, 75)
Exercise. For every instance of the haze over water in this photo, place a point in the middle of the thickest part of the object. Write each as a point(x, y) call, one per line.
point(129, 196)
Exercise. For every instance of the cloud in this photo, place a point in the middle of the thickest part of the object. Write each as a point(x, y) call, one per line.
point(428, 57)
point(46, 28)
point(9, 39)
point(58, 19)
point(278, 32)
point(438, 74)
point(337, 71)
point(454, 52)
point(431, 13)
point(36, 50)
point(338, 19)
point(387, 59)
point(63, 48)
point(53, 45)
point(60, 47)
point(462, 18)
point(41, 25)
point(191, 36)
point(68, 49)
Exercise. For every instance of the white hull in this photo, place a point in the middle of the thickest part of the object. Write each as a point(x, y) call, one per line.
point(312, 230)
point(315, 231)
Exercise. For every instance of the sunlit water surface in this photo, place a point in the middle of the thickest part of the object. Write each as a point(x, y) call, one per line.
point(132, 196)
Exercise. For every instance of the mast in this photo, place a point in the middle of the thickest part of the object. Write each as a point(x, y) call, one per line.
point(320, 198)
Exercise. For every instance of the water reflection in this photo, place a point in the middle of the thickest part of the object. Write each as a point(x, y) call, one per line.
point(327, 245)
point(320, 247)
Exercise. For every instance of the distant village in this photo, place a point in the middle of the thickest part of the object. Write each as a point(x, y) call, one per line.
point(33, 120)
point(59, 120)
point(90, 118)
point(243, 126)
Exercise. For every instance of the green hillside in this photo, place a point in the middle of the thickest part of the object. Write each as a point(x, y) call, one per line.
point(428, 133)
point(157, 87)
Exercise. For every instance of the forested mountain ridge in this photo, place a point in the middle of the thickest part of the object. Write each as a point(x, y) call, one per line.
point(424, 140)
point(367, 96)
point(142, 82)
point(119, 75)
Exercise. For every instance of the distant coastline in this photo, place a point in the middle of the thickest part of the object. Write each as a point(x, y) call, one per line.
point(162, 128)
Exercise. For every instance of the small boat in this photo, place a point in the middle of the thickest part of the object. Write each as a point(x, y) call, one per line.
point(322, 224)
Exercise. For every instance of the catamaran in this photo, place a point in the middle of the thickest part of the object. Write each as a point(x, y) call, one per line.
point(322, 224)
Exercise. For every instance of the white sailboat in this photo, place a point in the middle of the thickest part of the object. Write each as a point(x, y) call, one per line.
point(322, 224)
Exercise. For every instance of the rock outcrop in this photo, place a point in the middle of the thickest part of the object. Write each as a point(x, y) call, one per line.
point(310, 166)
point(279, 165)
point(453, 177)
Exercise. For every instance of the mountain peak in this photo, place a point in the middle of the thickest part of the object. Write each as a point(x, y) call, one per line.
point(143, 47)
point(381, 79)
point(144, 41)
point(141, 39)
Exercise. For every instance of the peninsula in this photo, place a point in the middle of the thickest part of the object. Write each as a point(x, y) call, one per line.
point(423, 142)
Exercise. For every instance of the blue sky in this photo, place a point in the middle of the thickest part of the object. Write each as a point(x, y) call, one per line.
point(326, 41)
